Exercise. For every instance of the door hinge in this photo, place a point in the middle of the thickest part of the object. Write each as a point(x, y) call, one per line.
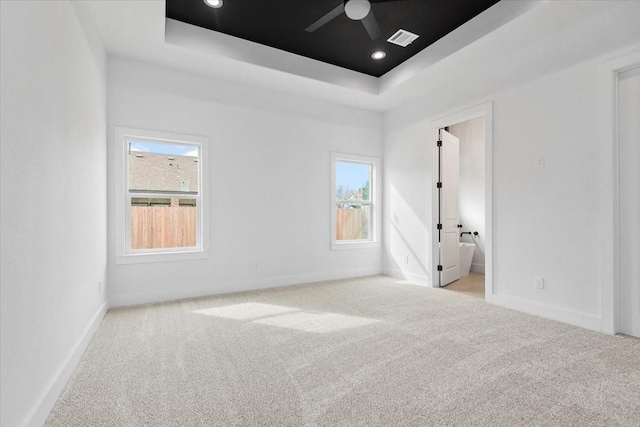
point(439, 184)
point(439, 143)
point(439, 268)
point(439, 226)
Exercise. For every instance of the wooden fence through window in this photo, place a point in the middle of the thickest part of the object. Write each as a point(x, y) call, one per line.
point(163, 227)
point(352, 224)
point(155, 227)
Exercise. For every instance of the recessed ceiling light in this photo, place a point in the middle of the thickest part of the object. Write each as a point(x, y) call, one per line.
point(213, 3)
point(378, 55)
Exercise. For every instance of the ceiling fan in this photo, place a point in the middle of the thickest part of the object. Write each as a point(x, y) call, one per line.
point(357, 10)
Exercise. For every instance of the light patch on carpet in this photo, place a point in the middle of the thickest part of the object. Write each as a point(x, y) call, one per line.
point(320, 323)
point(287, 317)
point(247, 310)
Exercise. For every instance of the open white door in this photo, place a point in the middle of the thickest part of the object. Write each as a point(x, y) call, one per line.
point(449, 189)
point(629, 178)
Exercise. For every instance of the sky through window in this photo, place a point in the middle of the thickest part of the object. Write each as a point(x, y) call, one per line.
point(169, 148)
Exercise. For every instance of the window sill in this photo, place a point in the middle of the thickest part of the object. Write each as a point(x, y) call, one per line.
point(161, 257)
point(335, 246)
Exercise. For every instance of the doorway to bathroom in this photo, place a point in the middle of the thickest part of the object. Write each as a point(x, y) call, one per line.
point(462, 202)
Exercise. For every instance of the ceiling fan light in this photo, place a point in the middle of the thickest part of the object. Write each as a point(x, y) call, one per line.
point(378, 54)
point(357, 9)
point(213, 3)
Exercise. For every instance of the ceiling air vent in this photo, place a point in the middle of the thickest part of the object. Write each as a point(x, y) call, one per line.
point(402, 38)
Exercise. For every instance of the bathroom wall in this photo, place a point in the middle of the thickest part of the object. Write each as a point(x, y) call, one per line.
point(471, 134)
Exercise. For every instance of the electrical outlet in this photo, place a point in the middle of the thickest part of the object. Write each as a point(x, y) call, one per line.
point(257, 266)
point(538, 282)
point(405, 259)
point(540, 162)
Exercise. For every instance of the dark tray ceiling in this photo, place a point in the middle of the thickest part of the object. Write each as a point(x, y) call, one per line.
point(343, 42)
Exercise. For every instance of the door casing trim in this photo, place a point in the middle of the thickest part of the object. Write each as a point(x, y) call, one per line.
point(483, 110)
point(607, 96)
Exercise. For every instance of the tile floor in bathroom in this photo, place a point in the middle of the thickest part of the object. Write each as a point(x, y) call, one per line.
point(472, 285)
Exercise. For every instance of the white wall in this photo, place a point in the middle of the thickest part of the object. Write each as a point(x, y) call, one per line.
point(542, 216)
point(53, 201)
point(546, 220)
point(269, 181)
point(472, 171)
point(629, 182)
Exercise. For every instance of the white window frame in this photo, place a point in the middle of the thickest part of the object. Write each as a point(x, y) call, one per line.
point(123, 252)
point(374, 163)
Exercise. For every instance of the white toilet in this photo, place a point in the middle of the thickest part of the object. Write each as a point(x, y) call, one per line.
point(466, 256)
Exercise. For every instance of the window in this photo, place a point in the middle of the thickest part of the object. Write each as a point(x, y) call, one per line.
point(160, 196)
point(353, 201)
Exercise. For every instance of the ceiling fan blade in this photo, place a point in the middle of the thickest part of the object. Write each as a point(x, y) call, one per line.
point(371, 25)
point(326, 18)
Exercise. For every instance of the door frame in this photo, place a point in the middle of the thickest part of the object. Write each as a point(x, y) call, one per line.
point(607, 96)
point(448, 119)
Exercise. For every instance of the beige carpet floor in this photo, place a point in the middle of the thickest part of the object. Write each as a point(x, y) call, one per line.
point(361, 352)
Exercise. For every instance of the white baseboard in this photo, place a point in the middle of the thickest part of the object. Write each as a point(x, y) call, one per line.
point(417, 279)
point(50, 396)
point(583, 320)
point(477, 268)
point(240, 285)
